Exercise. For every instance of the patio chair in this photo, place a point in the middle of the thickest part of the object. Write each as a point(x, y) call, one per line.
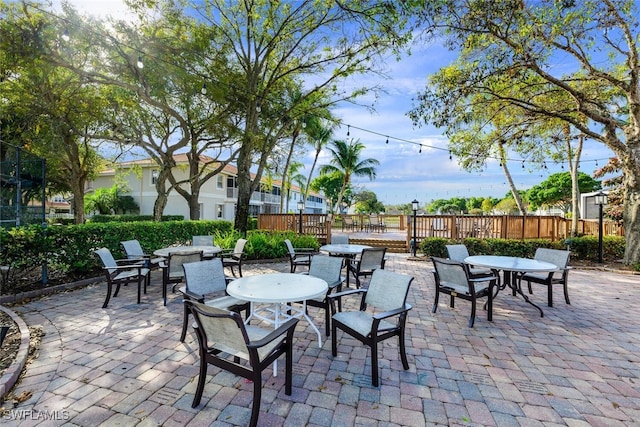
point(133, 250)
point(339, 239)
point(327, 268)
point(234, 258)
point(202, 279)
point(382, 315)
point(202, 240)
point(555, 256)
point(119, 272)
point(298, 256)
point(370, 259)
point(348, 223)
point(453, 278)
point(172, 271)
point(224, 339)
point(459, 253)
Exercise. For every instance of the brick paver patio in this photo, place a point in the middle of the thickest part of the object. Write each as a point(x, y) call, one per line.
point(577, 366)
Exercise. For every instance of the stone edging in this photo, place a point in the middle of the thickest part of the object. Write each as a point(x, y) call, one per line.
point(11, 375)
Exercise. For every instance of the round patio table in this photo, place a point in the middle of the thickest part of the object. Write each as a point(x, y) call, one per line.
point(207, 251)
point(512, 267)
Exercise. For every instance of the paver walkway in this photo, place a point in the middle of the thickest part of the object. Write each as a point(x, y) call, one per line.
point(577, 366)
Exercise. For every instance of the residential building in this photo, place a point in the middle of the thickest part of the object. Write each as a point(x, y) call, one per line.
point(218, 196)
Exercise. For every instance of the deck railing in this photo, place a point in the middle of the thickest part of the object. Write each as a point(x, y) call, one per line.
point(456, 227)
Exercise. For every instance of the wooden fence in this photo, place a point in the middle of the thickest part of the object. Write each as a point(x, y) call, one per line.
point(456, 227)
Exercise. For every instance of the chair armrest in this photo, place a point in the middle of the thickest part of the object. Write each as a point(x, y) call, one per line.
point(284, 328)
point(125, 267)
point(392, 313)
point(192, 295)
point(483, 279)
point(347, 292)
point(299, 250)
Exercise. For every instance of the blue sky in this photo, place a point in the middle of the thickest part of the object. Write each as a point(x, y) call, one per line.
point(404, 173)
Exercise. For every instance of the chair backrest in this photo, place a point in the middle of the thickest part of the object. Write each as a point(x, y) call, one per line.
point(177, 259)
point(347, 220)
point(238, 250)
point(289, 247)
point(202, 241)
point(457, 252)
point(223, 330)
point(204, 277)
point(327, 268)
point(106, 258)
point(339, 239)
point(439, 224)
point(558, 257)
point(451, 273)
point(388, 290)
point(132, 248)
point(372, 258)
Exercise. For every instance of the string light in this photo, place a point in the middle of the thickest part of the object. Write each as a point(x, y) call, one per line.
point(140, 64)
point(420, 151)
point(65, 36)
point(204, 89)
point(523, 164)
point(387, 140)
point(348, 129)
point(450, 157)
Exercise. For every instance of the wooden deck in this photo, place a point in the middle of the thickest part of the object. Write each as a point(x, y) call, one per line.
point(394, 241)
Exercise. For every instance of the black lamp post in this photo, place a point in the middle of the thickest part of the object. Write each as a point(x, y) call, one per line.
point(300, 208)
point(600, 199)
point(414, 205)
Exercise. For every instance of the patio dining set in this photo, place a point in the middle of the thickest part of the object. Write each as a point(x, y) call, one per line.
point(273, 304)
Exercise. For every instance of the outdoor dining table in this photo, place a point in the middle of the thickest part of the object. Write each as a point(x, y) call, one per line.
point(207, 251)
point(511, 267)
point(274, 293)
point(345, 250)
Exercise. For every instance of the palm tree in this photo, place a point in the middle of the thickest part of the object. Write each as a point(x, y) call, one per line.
point(319, 131)
point(346, 160)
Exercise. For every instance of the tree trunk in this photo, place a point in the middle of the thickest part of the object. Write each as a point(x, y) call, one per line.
point(631, 211)
point(574, 166)
point(507, 174)
point(244, 188)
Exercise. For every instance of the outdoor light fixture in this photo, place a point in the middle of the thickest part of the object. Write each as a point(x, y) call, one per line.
point(600, 199)
point(414, 245)
point(300, 208)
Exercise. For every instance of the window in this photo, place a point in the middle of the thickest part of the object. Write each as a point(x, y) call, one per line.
point(220, 182)
point(220, 211)
point(154, 176)
point(201, 205)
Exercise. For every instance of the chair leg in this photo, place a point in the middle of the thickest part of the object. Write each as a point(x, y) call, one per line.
point(106, 300)
point(164, 292)
point(529, 286)
point(257, 395)
point(403, 350)
point(435, 301)
point(185, 322)
point(374, 363)
point(327, 318)
point(566, 292)
point(472, 318)
point(549, 294)
point(140, 279)
point(240, 269)
point(202, 376)
point(334, 341)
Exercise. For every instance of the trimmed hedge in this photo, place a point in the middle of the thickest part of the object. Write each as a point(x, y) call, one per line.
point(68, 250)
point(582, 248)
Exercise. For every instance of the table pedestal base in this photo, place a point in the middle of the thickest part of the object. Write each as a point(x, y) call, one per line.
point(277, 314)
point(511, 280)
